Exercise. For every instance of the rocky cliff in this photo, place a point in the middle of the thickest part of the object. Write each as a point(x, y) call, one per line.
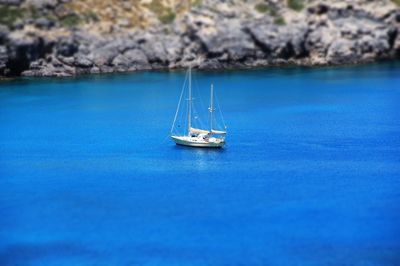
point(64, 37)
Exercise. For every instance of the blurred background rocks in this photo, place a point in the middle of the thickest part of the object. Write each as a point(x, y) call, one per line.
point(65, 37)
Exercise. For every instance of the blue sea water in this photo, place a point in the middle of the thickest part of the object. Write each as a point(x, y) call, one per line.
point(310, 174)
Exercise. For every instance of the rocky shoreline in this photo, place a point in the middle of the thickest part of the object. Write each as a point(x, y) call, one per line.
point(62, 38)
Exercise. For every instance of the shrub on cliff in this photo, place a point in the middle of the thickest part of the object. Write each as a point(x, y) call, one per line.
point(296, 4)
point(10, 14)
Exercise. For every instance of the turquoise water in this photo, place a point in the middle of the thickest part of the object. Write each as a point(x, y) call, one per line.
point(310, 174)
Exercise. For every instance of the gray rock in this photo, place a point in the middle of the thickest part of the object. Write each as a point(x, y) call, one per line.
point(40, 4)
point(4, 31)
point(44, 23)
point(11, 2)
point(320, 39)
point(226, 34)
point(95, 70)
point(153, 47)
point(228, 38)
point(211, 64)
point(61, 11)
point(173, 48)
point(103, 51)
point(47, 69)
point(3, 60)
point(30, 73)
point(132, 59)
point(18, 25)
point(342, 51)
point(279, 41)
point(66, 60)
point(82, 61)
point(36, 65)
point(106, 69)
point(67, 47)
point(25, 49)
point(318, 9)
point(104, 56)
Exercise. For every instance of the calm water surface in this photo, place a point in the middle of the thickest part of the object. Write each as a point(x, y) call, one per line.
point(310, 175)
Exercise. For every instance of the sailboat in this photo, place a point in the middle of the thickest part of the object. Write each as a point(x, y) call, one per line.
point(197, 137)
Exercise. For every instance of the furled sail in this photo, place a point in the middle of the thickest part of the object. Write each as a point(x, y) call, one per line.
point(202, 131)
point(198, 131)
point(217, 132)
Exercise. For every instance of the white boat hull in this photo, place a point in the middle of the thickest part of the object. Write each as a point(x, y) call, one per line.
point(195, 142)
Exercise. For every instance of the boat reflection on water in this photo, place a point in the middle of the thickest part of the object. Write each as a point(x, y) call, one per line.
point(200, 159)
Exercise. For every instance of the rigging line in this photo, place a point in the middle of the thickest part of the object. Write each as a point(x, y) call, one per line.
point(220, 111)
point(202, 105)
point(181, 122)
point(181, 118)
point(179, 104)
point(197, 117)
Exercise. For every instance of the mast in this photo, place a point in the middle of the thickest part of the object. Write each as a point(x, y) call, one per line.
point(211, 109)
point(179, 104)
point(190, 101)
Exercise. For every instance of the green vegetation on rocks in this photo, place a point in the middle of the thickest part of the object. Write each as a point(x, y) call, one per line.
point(164, 14)
point(262, 8)
point(65, 37)
point(297, 5)
point(397, 2)
point(279, 21)
point(168, 17)
point(197, 3)
point(9, 14)
point(91, 16)
point(70, 21)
